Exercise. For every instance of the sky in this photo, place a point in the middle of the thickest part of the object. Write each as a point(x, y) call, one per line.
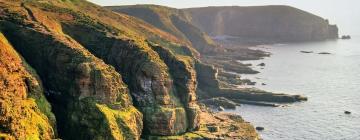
point(344, 13)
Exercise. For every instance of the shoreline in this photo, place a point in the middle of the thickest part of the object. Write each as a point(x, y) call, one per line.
point(229, 69)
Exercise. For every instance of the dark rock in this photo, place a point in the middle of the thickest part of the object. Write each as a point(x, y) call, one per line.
point(253, 94)
point(257, 103)
point(263, 84)
point(251, 83)
point(346, 37)
point(220, 102)
point(260, 128)
point(213, 128)
point(324, 53)
point(261, 64)
point(306, 51)
point(347, 112)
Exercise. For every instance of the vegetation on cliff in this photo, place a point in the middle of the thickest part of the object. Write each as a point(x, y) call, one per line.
point(24, 111)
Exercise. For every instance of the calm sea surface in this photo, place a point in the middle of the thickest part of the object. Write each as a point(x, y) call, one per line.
point(332, 83)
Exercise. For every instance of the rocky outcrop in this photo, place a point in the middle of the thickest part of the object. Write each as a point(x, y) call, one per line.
point(24, 111)
point(209, 87)
point(263, 23)
point(217, 126)
point(183, 72)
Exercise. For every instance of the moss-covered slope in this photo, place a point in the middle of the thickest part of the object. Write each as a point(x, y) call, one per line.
point(24, 111)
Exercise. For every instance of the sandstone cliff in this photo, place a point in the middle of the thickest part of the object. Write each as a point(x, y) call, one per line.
point(263, 23)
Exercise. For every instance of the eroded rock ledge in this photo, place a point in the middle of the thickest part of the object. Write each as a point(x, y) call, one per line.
point(209, 87)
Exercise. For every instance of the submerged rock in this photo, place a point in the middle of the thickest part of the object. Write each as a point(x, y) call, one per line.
point(306, 51)
point(261, 64)
point(347, 112)
point(324, 53)
point(346, 37)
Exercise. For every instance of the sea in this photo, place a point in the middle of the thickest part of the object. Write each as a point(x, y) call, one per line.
point(330, 81)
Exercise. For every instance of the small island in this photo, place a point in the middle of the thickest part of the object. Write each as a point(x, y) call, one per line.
point(345, 37)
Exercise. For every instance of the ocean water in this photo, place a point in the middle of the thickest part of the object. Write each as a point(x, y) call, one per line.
point(331, 82)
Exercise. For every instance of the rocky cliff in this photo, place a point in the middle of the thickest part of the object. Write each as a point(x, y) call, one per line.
point(263, 23)
point(75, 70)
point(173, 21)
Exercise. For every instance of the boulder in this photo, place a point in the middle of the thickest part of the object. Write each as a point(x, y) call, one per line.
point(346, 37)
point(347, 112)
point(306, 51)
point(259, 128)
point(261, 64)
point(324, 53)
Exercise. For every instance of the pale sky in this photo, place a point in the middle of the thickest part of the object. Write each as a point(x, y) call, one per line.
point(344, 13)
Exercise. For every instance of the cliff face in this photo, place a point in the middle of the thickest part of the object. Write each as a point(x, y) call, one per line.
point(173, 21)
point(70, 69)
point(88, 96)
point(267, 23)
point(103, 75)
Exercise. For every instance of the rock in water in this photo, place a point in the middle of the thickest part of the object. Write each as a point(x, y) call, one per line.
point(306, 51)
point(347, 112)
point(260, 128)
point(324, 53)
point(346, 37)
point(261, 64)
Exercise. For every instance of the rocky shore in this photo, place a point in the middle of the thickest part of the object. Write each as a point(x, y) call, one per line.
point(226, 74)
